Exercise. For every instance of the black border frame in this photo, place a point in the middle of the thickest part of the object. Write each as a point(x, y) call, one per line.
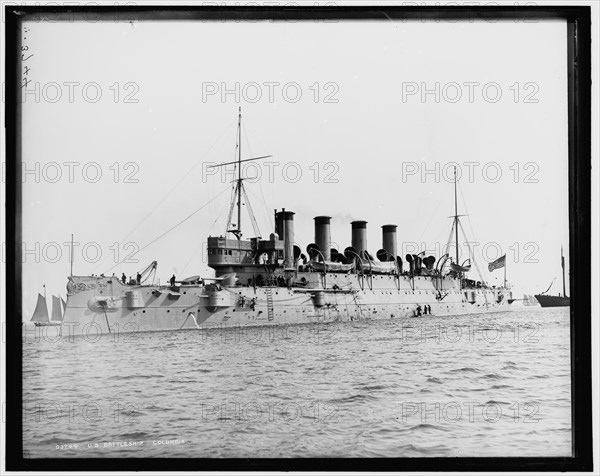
point(579, 138)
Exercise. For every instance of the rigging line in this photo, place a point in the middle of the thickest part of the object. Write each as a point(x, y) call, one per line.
point(445, 251)
point(432, 216)
point(553, 279)
point(264, 200)
point(471, 253)
point(270, 215)
point(251, 213)
point(436, 238)
point(231, 206)
point(192, 256)
point(472, 230)
point(186, 175)
point(223, 172)
point(169, 230)
point(467, 214)
point(253, 194)
point(219, 215)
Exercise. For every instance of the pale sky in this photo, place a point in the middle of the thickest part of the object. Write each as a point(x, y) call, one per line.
point(368, 129)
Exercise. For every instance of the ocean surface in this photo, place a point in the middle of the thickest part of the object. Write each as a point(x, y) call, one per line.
point(481, 385)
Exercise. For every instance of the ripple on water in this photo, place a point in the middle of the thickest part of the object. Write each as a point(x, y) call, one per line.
point(493, 377)
point(464, 370)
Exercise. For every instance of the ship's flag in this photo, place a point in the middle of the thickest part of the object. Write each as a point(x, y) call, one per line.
point(499, 263)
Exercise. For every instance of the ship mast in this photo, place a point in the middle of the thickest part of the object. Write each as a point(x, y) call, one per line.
point(239, 182)
point(71, 254)
point(562, 262)
point(456, 215)
point(239, 186)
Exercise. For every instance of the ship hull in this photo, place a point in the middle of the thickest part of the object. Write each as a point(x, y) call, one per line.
point(101, 305)
point(553, 301)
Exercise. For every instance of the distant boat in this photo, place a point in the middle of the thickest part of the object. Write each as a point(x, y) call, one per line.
point(547, 300)
point(529, 300)
point(40, 315)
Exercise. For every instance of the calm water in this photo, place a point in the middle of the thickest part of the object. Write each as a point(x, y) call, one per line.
point(461, 386)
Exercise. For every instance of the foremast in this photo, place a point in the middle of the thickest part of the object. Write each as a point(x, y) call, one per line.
point(232, 255)
point(239, 190)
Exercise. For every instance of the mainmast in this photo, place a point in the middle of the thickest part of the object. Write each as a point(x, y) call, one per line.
point(456, 215)
point(239, 183)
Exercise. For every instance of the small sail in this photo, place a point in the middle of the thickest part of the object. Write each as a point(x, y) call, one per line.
point(56, 310)
point(64, 305)
point(41, 310)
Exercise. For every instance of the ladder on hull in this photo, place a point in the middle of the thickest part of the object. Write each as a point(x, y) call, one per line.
point(358, 304)
point(270, 312)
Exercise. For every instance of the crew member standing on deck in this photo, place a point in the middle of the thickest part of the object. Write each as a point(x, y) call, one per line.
point(173, 280)
point(139, 278)
point(123, 278)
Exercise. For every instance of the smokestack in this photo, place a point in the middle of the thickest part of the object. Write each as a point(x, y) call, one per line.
point(359, 236)
point(389, 239)
point(323, 236)
point(279, 224)
point(284, 227)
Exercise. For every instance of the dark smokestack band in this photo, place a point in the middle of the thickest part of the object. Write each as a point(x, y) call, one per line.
point(359, 236)
point(284, 227)
point(323, 236)
point(389, 239)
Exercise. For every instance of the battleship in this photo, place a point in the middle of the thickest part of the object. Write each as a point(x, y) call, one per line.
point(562, 300)
point(262, 282)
